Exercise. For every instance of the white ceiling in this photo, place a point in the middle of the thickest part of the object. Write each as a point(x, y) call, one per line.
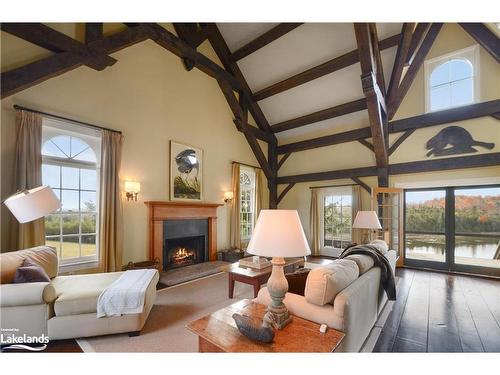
point(302, 48)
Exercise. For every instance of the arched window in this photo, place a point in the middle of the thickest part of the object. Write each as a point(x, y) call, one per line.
point(70, 166)
point(451, 80)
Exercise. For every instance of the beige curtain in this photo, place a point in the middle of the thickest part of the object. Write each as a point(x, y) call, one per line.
point(28, 175)
point(314, 223)
point(357, 205)
point(260, 190)
point(235, 237)
point(111, 220)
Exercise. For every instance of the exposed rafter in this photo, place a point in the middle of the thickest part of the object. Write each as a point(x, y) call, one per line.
point(285, 191)
point(324, 114)
point(490, 108)
point(55, 41)
point(263, 40)
point(321, 70)
point(399, 62)
point(19, 79)
point(93, 32)
point(416, 39)
point(373, 88)
point(403, 137)
point(367, 144)
point(283, 159)
point(416, 63)
point(485, 37)
point(443, 164)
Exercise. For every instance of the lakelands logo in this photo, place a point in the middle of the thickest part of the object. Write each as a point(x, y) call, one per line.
point(11, 340)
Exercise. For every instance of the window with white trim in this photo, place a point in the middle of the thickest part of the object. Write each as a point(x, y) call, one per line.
point(247, 202)
point(335, 209)
point(452, 80)
point(70, 166)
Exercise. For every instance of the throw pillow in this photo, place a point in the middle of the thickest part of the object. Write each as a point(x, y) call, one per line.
point(324, 283)
point(30, 272)
point(297, 281)
point(381, 245)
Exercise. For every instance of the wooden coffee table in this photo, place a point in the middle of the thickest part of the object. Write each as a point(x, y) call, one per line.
point(254, 276)
point(217, 333)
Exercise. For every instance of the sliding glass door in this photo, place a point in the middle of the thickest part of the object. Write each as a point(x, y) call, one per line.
point(454, 228)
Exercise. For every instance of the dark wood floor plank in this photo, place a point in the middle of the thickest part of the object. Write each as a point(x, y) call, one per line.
point(414, 322)
point(387, 337)
point(443, 330)
point(469, 337)
point(490, 291)
point(485, 322)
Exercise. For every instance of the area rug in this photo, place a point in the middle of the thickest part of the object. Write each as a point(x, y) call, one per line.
point(176, 306)
point(193, 272)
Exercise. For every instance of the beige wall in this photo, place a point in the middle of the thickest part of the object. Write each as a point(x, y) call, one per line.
point(354, 155)
point(152, 99)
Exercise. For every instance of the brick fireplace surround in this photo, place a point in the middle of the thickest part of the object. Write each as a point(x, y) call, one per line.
point(159, 211)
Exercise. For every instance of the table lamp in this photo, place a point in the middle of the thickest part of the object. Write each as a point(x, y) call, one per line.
point(29, 205)
point(278, 234)
point(366, 220)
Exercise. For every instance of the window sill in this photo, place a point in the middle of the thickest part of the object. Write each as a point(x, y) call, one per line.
point(73, 267)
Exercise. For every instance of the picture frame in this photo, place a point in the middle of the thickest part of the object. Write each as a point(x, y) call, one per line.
point(186, 172)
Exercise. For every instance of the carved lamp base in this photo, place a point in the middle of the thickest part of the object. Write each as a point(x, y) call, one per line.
point(277, 314)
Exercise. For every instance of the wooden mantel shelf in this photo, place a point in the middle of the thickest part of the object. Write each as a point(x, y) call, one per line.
point(159, 211)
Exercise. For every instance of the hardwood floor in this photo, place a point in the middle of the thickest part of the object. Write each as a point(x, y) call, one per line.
point(437, 312)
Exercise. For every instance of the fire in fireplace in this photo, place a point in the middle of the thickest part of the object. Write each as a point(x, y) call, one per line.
point(184, 251)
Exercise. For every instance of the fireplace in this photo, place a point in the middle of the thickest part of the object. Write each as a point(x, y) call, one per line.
point(184, 251)
point(174, 220)
point(185, 242)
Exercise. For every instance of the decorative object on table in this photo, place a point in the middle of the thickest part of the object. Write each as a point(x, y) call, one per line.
point(143, 265)
point(255, 262)
point(186, 172)
point(459, 140)
point(253, 329)
point(366, 220)
point(278, 234)
point(29, 205)
point(132, 188)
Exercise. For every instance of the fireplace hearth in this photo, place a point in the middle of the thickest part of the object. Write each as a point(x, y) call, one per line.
point(185, 251)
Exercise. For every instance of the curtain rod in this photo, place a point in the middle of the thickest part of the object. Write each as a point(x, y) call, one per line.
point(329, 186)
point(247, 165)
point(18, 107)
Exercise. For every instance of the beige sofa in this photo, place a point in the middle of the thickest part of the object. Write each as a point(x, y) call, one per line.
point(354, 311)
point(64, 308)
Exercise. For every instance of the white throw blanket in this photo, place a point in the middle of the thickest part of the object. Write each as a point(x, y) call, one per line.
point(126, 295)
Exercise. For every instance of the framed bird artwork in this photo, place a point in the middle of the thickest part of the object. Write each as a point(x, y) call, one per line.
point(186, 172)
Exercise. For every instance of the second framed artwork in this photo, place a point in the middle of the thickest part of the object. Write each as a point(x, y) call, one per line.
point(186, 172)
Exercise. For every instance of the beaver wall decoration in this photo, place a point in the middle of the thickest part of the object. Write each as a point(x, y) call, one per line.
point(454, 140)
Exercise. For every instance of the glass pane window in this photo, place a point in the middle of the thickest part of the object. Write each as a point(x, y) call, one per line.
point(69, 166)
point(337, 220)
point(247, 202)
point(451, 80)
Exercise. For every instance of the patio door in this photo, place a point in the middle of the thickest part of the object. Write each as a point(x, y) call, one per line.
point(453, 229)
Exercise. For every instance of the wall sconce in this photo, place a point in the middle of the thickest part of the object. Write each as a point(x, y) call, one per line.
point(132, 188)
point(228, 197)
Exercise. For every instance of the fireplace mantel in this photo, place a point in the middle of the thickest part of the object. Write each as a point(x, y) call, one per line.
point(159, 211)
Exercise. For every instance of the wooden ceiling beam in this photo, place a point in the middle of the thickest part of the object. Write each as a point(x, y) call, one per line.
point(371, 73)
point(19, 79)
point(263, 40)
point(285, 191)
point(400, 140)
point(443, 164)
point(185, 31)
point(222, 50)
point(485, 37)
point(416, 39)
point(490, 108)
point(55, 41)
point(367, 144)
point(395, 101)
point(325, 114)
point(400, 60)
point(321, 70)
point(93, 31)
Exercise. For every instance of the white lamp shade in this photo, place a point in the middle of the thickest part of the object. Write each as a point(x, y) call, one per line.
point(278, 233)
point(366, 220)
point(33, 204)
point(132, 187)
